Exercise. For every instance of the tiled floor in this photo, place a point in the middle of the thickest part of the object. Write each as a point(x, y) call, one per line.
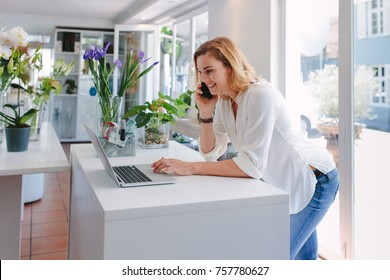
point(45, 222)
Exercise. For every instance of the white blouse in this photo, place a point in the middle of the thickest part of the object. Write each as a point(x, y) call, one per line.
point(269, 144)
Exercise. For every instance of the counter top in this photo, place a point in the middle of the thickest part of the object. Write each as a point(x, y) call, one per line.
point(45, 155)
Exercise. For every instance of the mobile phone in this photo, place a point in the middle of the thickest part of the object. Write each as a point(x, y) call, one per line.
point(206, 91)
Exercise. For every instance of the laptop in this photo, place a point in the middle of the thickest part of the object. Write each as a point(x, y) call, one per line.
point(129, 175)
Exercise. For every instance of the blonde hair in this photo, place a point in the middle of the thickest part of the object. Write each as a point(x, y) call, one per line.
point(224, 50)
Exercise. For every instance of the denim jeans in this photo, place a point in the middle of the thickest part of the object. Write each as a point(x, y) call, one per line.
point(303, 235)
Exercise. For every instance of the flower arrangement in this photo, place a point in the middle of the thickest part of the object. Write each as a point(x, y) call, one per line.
point(17, 63)
point(101, 73)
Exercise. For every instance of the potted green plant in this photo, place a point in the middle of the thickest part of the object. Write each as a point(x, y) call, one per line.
point(153, 119)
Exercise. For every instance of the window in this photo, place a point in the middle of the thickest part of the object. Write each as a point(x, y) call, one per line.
point(376, 14)
point(187, 33)
point(379, 95)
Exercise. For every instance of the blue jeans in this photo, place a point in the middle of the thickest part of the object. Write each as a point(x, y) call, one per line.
point(303, 235)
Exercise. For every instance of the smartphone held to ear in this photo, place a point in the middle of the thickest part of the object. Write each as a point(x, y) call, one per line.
point(206, 91)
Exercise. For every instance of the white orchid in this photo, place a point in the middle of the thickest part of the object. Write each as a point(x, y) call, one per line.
point(5, 52)
point(14, 38)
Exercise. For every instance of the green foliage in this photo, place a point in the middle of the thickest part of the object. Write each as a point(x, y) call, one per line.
point(165, 109)
point(186, 97)
point(17, 120)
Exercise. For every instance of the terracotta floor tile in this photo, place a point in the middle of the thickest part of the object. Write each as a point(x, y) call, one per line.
point(49, 216)
point(25, 247)
point(52, 244)
point(49, 229)
point(44, 228)
point(50, 183)
point(66, 198)
point(48, 205)
point(51, 256)
point(26, 231)
point(52, 196)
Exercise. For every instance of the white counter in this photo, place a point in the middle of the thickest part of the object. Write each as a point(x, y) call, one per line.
point(199, 217)
point(43, 156)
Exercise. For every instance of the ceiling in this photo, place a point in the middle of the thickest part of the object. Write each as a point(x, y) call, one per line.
point(93, 13)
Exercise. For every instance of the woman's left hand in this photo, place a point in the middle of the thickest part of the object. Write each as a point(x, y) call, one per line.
point(175, 166)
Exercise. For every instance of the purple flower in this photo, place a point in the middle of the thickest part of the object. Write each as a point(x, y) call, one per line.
point(118, 63)
point(99, 53)
point(141, 57)
point(106, 48)
point(89, 54)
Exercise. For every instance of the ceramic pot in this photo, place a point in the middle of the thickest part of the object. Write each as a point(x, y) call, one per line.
point(17, 138)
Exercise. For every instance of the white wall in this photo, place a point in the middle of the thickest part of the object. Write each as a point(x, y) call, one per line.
point(248, 23)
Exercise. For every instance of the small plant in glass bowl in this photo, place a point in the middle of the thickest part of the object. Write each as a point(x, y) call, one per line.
point(154, 118)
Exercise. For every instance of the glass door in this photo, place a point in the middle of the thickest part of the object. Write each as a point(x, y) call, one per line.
point(137, 38)
point(372, 128)
point(312, 56)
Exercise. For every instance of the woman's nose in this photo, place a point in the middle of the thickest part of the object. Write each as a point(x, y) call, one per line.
point(202, 77)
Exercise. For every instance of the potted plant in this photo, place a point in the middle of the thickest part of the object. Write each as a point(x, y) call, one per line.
point(17, 64)
point(323, 86)
point(153, 119)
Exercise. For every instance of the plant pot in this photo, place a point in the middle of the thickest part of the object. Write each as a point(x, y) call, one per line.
point(154, 137)
point(17, 138)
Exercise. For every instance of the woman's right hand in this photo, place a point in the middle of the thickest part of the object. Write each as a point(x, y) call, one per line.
point(206, 106)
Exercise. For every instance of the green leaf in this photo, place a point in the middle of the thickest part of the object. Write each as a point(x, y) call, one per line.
point(142, 119)
point(135, 110)
point(27, 116)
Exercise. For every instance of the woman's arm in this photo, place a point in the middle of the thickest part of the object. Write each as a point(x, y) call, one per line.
point(226, 168)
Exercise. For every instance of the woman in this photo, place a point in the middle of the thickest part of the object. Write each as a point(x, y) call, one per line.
point(248, 112)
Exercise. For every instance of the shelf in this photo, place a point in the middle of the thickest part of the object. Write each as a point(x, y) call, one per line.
point(69, 112)
point(67, 95)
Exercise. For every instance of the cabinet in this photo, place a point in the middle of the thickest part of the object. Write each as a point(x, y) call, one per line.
point(70, 110)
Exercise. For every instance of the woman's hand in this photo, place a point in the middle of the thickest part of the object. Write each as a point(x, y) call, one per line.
point(205, 106)
point(175, 166)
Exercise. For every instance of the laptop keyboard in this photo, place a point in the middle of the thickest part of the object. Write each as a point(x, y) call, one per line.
point(131, 174)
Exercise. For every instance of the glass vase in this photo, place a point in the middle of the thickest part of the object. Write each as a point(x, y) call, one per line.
point(2, 102)
point(37, 120)
point(109, 130)
point(154, 136)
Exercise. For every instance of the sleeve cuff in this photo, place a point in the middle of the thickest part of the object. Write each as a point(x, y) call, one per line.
point(246, 165)
point(210, 156)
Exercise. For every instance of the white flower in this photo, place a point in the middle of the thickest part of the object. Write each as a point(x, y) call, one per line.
point(18, 36)
point(15, 37)
point(5, 52)
point(4, 38)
